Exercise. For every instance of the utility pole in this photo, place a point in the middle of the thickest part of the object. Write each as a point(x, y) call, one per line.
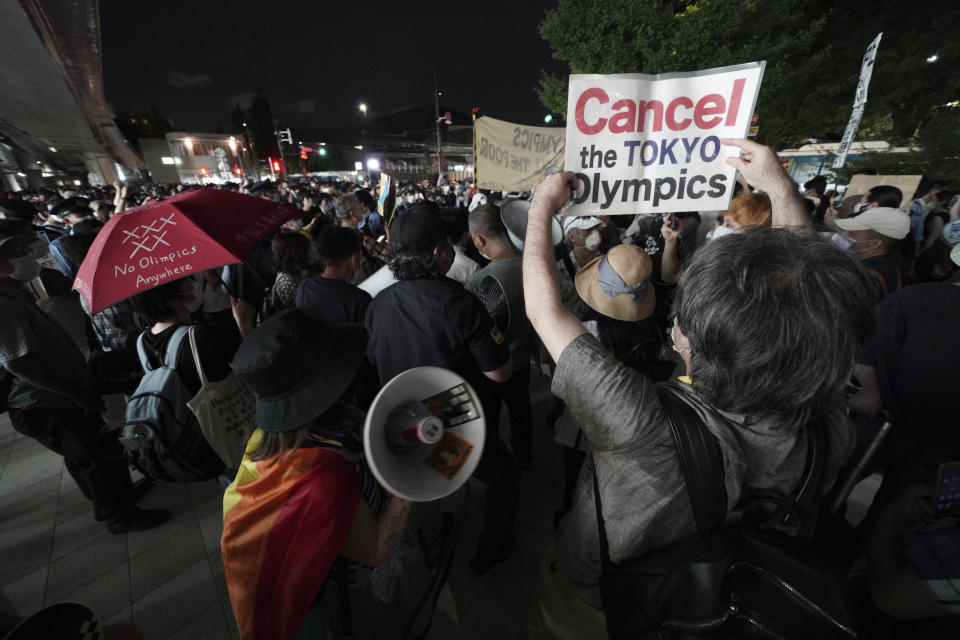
point(436, 114)
point(283, 160)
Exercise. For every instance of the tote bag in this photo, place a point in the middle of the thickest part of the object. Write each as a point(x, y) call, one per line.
point(226, 411)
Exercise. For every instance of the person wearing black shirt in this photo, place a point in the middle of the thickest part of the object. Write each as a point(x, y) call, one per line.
point(428, 319)
point(329, 296)
point(908, 368)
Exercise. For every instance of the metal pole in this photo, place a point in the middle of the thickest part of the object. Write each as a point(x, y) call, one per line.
point(283, 161)
point(857, 473)
point(436, 113)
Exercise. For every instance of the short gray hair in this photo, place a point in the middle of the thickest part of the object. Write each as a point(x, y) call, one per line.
point(486, 220)
point(345, 204)
point(775, 320)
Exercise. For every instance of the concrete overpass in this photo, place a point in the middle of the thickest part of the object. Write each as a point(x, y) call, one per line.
point(55, 123)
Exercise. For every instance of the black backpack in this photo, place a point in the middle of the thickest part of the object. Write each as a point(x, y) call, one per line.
point(749, 579)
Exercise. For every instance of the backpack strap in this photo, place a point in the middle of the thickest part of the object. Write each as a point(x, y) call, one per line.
point(142, 353)
point(605, 563)
point(700, 461)
point(172, 357)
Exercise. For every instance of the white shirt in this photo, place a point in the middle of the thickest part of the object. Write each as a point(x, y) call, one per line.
point(463, 266)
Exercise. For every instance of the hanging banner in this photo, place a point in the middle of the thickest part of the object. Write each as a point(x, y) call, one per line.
point(513, 157)
point(866, 70)
point(651, 143)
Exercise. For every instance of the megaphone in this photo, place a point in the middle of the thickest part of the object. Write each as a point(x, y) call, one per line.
point(424, 434)
point(514, 212)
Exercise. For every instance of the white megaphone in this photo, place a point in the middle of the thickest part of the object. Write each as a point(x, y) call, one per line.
point(424, 434)
point(514, 212)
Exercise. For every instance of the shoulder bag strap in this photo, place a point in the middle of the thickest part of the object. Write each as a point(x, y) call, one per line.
point(196, 356)
point(701, 462)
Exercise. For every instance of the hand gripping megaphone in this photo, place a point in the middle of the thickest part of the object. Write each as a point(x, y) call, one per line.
point(424, 434)
point(513, 214)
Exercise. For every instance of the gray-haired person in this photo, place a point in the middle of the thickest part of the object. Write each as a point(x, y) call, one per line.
point(769, 323)
point(373, 254)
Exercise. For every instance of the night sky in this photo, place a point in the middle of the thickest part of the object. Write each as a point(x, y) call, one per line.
point(316, 61)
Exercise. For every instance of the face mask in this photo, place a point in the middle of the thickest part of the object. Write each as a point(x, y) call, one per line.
point(25, 268)
point(723, 231)
point(843, 242)
point(673, 339)
point(857, 208)
point(592, 241)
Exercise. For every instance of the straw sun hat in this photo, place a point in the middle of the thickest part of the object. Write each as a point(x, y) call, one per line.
point(618, 284)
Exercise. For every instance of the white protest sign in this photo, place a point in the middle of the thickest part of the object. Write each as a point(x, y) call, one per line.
point(651, 143)
point(512, 157)
point(866, 70)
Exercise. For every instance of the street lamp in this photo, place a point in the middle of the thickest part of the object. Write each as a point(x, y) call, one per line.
point(363, 134)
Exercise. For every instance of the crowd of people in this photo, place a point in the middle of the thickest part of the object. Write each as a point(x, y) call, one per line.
point(800, 307)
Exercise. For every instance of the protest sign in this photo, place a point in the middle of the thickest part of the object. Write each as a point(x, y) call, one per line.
point(513, 157)
point(651, 143)
point(859, 101)
point(861, 183)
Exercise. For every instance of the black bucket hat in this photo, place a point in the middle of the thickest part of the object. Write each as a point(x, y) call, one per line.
point(298, 367)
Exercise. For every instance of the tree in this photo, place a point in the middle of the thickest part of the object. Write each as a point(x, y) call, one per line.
point(813, 53)
point(261, 125)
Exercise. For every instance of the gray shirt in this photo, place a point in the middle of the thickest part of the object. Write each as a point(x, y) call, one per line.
point(642, 491)
point(25, 329)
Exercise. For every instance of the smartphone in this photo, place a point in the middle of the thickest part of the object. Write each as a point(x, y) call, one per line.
point(946, 496)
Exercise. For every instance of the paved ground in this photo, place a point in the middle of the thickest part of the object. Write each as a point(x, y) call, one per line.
point(169, 582)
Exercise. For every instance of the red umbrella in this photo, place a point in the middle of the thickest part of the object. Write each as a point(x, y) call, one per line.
point(173, 237)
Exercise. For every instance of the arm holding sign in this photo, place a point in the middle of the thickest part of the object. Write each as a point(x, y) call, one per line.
point(762, 169)
point(556, 326)
point(670, 262)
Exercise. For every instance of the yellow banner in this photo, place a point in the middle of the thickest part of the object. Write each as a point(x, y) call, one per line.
point(513, 157)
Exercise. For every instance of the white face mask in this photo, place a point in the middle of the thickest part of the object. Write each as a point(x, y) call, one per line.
point(723, 231)
point(592, 241)
point(843, 242)
point(25, 268)
point(857, 208)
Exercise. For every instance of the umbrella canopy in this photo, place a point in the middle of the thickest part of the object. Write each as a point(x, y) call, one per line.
point(171, 238)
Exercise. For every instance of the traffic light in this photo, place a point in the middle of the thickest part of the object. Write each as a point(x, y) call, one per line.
point(203, 171)
point(275, 164)
point(303, 153)
point(548, 118)
point(322, 151)
point(237, 170)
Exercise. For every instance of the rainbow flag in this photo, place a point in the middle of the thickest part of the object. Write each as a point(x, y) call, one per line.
point(284, 522)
